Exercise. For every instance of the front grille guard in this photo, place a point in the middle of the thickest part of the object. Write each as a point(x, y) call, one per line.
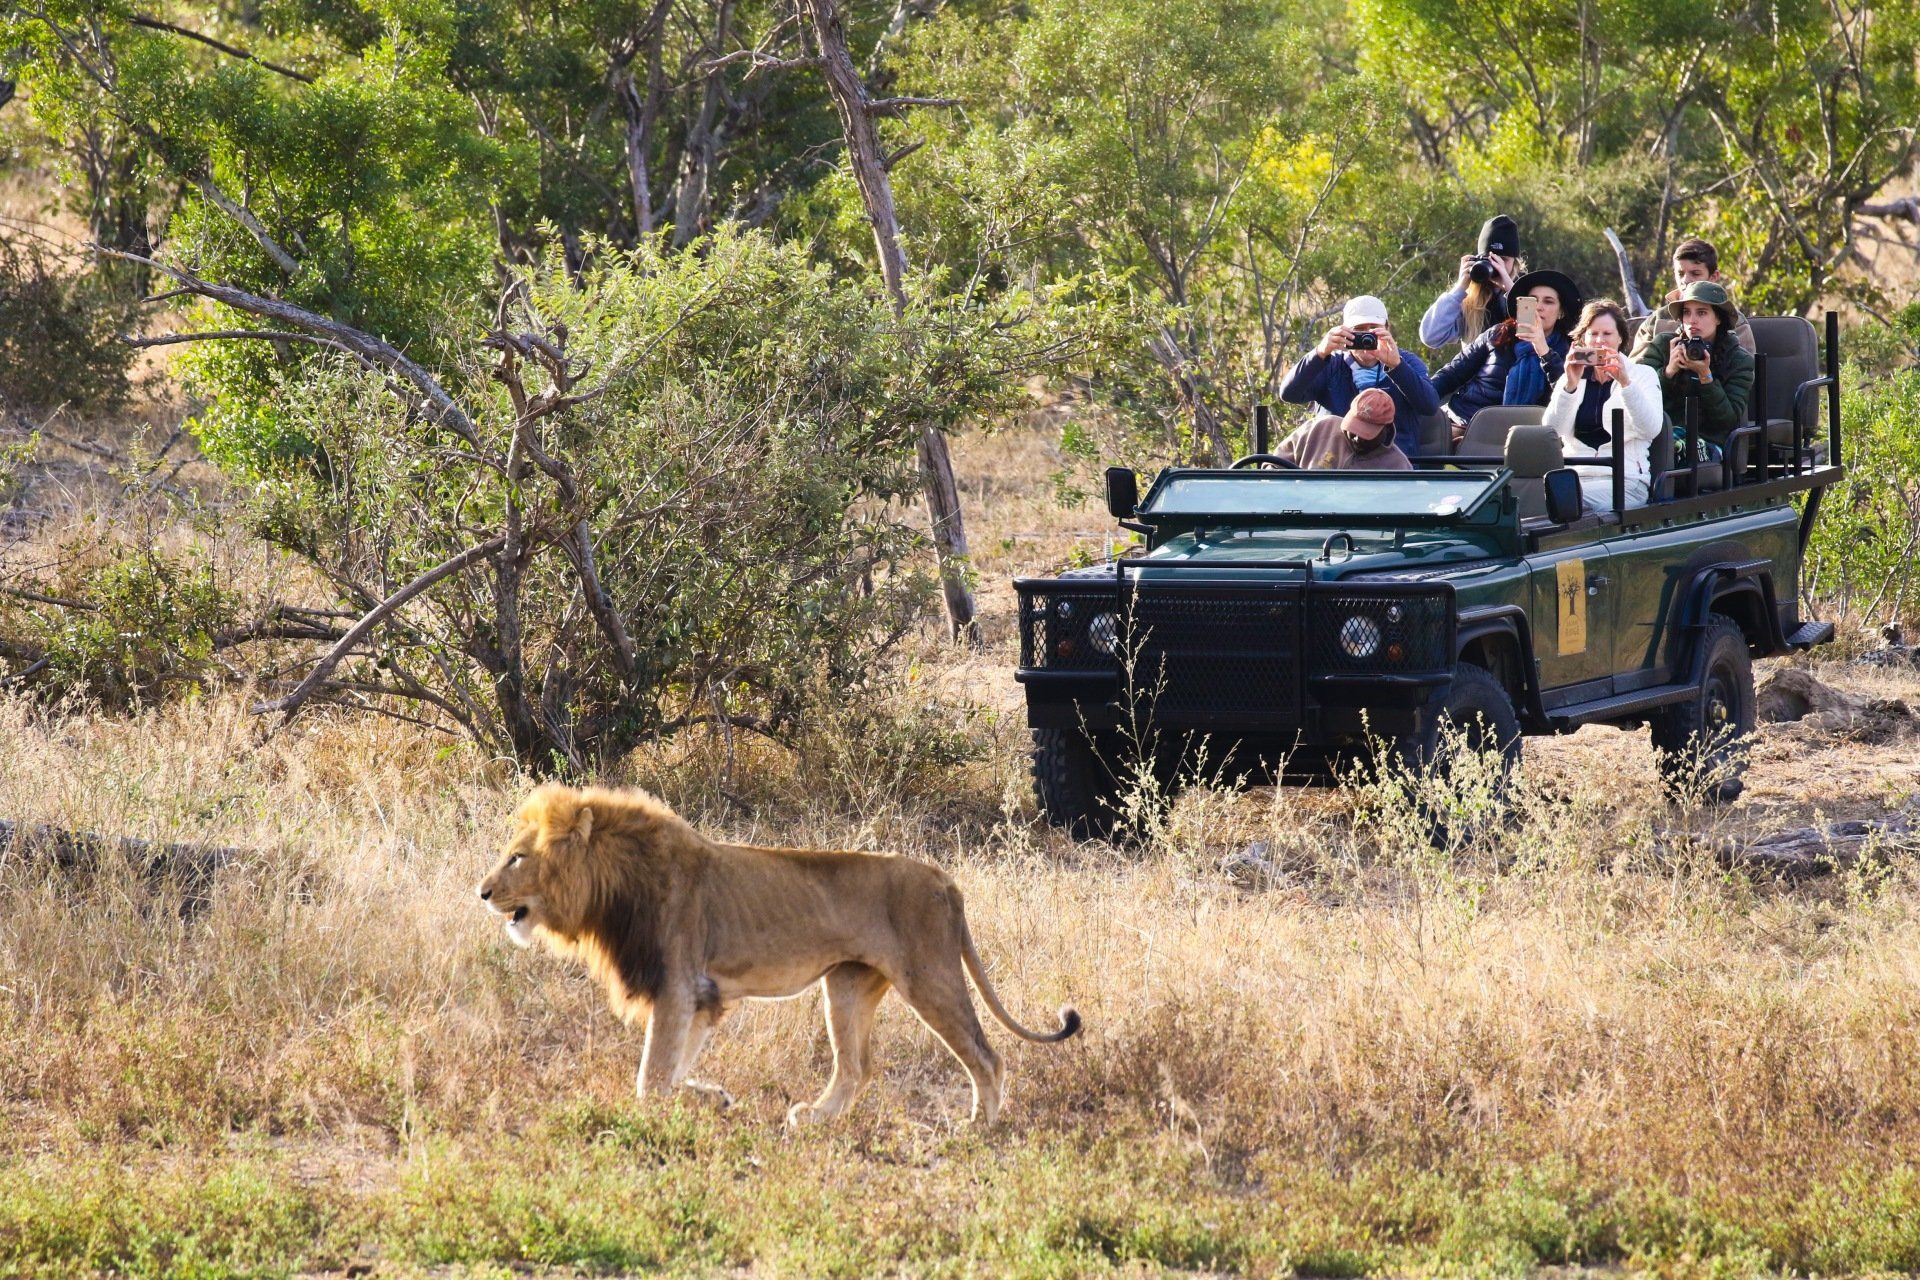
point(1094, 634)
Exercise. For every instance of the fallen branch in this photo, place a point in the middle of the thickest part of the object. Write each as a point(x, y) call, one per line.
point(1802, 853)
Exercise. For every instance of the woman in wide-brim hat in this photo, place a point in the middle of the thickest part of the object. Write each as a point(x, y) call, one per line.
point(1722, 380)
point(1541, 354)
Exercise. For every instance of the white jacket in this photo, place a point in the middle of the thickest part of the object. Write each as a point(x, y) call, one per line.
point(1638, 393)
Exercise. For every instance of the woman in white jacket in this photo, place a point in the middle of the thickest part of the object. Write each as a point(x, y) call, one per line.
point(1597, 380)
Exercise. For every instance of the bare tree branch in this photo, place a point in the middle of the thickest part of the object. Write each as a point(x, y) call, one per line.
point(900, 106)
point(361, 629)
point(441, 407)
point(155, 24)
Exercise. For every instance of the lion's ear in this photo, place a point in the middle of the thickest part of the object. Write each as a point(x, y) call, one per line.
point(583, 824)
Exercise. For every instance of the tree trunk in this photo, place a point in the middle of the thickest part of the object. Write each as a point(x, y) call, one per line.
point(641, 108)
point(696, 162)
point(868, 160)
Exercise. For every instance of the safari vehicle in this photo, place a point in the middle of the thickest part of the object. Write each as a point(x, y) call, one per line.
point(1288, 620)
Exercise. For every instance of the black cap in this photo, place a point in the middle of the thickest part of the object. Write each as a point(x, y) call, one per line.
point(1500, 234)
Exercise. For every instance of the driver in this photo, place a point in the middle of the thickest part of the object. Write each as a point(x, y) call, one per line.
point(1361, 441)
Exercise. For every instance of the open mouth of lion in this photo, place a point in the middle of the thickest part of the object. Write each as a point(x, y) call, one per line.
point(519, 928)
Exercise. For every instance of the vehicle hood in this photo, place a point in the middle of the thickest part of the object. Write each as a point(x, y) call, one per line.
point(1419, 555)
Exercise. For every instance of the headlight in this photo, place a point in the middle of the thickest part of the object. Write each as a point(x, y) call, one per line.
point(1104, 633)
point(1360, 636)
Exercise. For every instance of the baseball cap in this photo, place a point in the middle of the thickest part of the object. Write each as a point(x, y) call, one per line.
point(1364, 309)
point(1371, 415)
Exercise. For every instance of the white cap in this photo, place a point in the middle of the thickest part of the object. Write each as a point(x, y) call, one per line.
point(1365, 309)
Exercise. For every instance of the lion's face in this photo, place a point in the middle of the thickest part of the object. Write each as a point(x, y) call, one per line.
point(517, 887)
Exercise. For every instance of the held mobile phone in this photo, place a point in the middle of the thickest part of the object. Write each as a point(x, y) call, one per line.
point(1527, 310)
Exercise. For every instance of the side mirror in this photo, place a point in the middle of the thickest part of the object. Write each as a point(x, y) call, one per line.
point(1563, 495)
point(1123, 492)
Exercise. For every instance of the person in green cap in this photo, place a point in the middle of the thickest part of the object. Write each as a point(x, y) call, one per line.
point(1703, 356)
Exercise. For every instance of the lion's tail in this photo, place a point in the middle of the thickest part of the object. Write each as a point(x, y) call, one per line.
point(1069, 1017)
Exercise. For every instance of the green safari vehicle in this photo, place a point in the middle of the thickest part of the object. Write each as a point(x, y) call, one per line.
point(1281, 622)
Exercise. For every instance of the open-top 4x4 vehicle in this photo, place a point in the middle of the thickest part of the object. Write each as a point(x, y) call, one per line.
point(1281, 621)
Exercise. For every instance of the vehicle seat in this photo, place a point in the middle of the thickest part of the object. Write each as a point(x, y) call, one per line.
point(1487, 430)
point(1629, 340)
point(1792, 349)
point(1531, 450)
point(1436, 435)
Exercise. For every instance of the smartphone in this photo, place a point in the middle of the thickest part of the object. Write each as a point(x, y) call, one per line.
point(1527, 310)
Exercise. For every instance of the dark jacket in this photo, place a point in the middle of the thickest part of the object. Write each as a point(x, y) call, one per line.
point(1480, 375)
point(1723, 401)
point(1328, 382)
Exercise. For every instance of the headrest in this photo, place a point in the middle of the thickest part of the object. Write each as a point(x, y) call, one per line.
point(1532, 451)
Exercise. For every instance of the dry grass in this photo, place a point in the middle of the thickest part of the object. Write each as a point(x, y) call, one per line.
point(1565, 1047)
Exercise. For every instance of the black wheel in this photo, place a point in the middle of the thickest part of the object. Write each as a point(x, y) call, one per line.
point(1076, 787)
point(1473, 713)
point(1701, 744)
point(1470, 716)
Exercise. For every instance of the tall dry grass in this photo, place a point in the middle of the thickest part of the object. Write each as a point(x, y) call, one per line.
point(1575, 992)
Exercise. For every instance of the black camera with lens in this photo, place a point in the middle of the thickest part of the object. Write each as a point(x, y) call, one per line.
point(1363, 340)
point(1480, 269)
point(1697, 348)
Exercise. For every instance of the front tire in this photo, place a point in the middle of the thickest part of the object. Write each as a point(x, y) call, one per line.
point(1701, 744)
point(1076, 787)
point(1470, 717)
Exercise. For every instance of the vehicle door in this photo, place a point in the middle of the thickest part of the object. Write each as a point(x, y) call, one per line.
point(1571, 608)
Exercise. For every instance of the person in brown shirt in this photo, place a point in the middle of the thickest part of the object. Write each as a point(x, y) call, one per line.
point(1361, 441)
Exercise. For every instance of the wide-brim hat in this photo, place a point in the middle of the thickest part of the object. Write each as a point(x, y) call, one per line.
point(1561, 283)
point(1715, 296)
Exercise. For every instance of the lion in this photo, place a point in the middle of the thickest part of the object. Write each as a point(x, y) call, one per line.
point(681, 928)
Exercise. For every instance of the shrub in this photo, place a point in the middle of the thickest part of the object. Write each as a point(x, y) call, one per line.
point(132, 629)
point(58, 334)
point(683, 471)
point(1859, 565)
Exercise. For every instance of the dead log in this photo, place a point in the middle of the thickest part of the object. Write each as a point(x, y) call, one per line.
point(191, 865)
point(1802, 853)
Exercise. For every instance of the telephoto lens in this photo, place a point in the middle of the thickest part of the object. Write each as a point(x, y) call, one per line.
point(1481, 270)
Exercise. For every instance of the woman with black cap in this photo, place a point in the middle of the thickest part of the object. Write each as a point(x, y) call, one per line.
point(1477, 300)
point(1514, 362)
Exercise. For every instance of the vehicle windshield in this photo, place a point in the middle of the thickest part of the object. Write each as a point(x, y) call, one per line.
point(1436, 494)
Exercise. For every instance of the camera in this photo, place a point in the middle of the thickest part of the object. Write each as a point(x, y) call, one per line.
point(1585, 355)
point(1697, 348)
point(1363, 340)
point(1480, 270)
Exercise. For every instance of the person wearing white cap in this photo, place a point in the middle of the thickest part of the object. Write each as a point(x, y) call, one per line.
point(1358, 353)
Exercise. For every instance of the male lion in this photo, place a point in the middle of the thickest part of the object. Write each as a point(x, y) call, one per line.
point(682, 928)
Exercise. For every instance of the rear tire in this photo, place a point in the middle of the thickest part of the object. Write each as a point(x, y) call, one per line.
point(1701, 744)
point(1076, 787)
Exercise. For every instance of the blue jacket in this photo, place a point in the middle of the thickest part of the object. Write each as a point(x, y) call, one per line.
point(1484, 374)
point(1328, 382)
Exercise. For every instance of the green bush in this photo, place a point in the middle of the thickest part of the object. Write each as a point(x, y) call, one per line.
point(135, 628)
point(1859, 568)
point(58, 335)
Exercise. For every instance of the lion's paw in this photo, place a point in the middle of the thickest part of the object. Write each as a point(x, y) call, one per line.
point(713, 1093)
point(801, 1114)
